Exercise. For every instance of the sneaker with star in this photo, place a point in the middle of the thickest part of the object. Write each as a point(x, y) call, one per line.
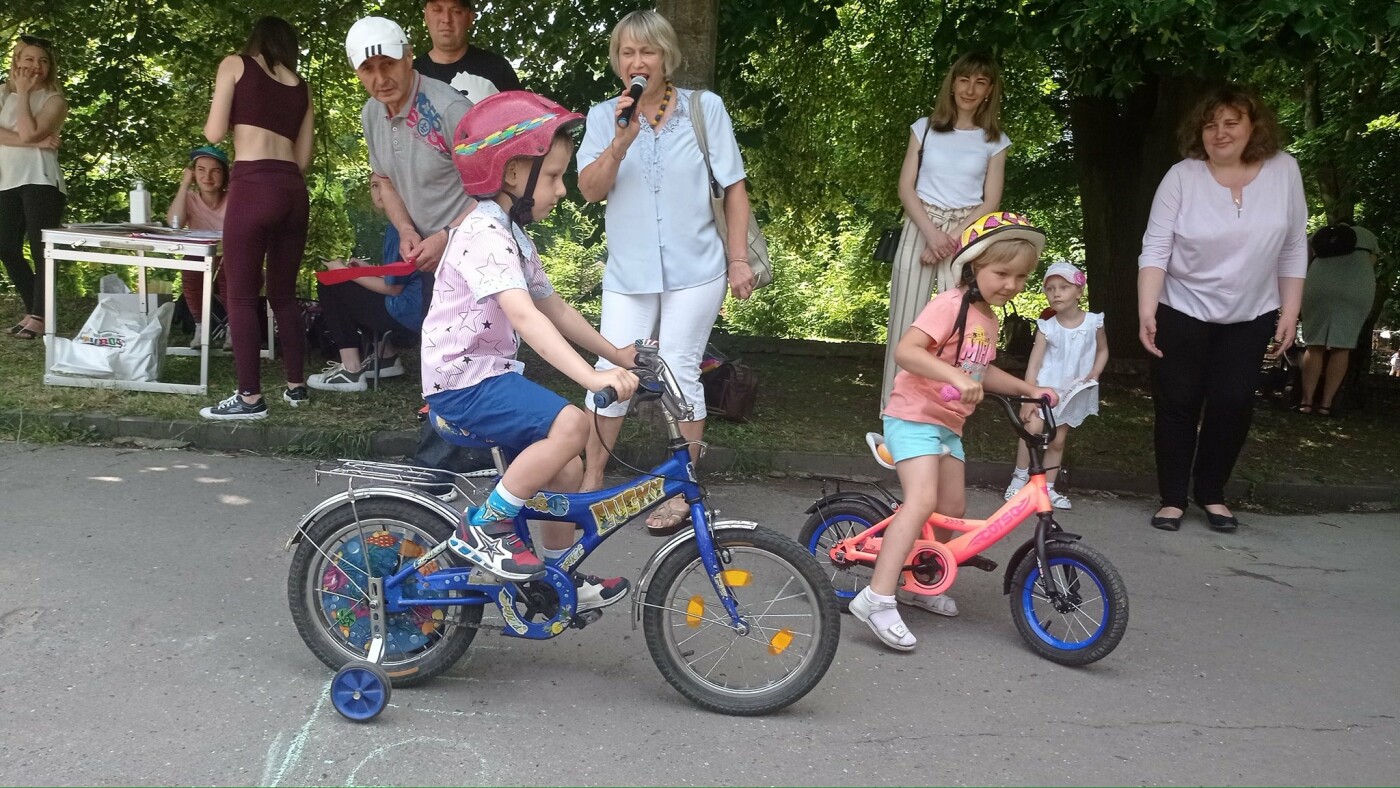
point(496, 548)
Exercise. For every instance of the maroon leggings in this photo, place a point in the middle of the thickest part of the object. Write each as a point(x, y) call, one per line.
point(266, 217)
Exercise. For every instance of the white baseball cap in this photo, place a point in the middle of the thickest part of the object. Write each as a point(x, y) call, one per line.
point(1069, 271)
point(372, 36)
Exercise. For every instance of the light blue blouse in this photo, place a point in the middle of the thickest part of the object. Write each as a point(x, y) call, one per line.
point(660, 227)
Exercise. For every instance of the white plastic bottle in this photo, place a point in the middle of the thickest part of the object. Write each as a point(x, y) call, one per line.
point(140, 203)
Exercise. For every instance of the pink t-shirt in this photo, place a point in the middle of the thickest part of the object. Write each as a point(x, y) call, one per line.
point(200, 216)
point(917, 398)
point(466, 336)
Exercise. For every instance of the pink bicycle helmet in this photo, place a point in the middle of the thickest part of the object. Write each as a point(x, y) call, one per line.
point(501, 127)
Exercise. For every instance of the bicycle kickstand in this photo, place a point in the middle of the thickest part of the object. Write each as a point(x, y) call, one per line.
point(378, 631)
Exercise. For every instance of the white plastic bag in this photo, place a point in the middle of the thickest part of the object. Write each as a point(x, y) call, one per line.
point(117, 341)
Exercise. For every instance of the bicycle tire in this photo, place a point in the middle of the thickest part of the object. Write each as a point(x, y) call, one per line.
point(774, 578)
point(830, 524)
point(338, 638)
point(1101, 616)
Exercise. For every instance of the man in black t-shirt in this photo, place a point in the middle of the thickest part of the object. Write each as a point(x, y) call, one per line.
point(472, 71)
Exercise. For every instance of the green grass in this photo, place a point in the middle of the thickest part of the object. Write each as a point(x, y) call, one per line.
point(805, 404)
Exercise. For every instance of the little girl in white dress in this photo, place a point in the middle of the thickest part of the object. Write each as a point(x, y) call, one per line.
point(1070, 354)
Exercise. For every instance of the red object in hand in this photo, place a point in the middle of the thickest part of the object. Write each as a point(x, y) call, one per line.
point(338, 275)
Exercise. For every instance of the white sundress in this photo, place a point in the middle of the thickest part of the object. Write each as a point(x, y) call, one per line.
point(1069, 358)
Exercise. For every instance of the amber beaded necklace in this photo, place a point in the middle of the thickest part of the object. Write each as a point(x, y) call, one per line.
point(665, 102)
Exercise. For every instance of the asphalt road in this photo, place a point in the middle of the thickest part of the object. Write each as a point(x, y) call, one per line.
point(145, 639)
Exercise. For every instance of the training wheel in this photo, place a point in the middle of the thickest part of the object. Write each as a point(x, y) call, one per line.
point(360, 690)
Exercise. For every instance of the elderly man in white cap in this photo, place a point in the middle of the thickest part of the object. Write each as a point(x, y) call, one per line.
point(409, 121)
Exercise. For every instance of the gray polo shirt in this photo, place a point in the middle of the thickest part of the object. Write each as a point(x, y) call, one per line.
point(413, 149)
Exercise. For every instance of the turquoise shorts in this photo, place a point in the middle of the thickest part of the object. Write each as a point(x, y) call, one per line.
point(907, 439)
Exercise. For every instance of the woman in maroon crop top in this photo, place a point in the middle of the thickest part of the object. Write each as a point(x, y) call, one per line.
point(259, 95)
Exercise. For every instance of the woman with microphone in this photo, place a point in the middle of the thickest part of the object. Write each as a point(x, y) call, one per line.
point(668, 267)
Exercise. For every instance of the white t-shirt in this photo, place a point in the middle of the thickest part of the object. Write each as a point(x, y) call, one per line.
point(954, 172)
point(22, 166)
point(1223, 262)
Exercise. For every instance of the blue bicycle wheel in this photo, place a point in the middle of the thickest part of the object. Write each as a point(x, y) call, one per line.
point(829, 525)
point(360, 691)
point(1086, 618)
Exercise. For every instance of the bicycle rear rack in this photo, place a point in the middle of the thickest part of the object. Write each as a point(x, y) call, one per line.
point(363, 473)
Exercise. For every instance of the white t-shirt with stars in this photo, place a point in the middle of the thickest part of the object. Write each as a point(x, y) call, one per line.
point(466, 336)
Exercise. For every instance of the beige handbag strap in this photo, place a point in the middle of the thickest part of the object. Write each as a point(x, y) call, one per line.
point(697, 122)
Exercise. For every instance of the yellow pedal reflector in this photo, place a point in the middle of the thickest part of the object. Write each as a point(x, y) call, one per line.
point(736, 578)
point(693, 611)
point(781, 640)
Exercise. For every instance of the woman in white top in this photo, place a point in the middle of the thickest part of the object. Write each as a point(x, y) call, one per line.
point(953, 172)
point(32, 191)
point(1221, 272)
point(668, 268)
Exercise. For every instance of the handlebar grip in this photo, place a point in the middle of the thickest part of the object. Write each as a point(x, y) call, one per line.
point(950, 393)
point(604, 398)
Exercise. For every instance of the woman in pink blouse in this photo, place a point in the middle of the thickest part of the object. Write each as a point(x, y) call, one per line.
point(199, 204)
point(1221, 272)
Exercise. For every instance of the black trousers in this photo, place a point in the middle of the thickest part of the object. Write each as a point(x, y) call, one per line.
point(349, 307)
point(1203, 394)
point(26, 211)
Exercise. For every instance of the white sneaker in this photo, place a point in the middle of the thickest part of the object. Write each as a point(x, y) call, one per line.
point(337, 378)
point(1017, 482)
point(195, 341)
point(383, 368)
point(896, 635)
point(1058, 501)
point(939, 604)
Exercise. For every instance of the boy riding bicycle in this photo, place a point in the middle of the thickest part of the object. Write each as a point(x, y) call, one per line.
point(512, 150)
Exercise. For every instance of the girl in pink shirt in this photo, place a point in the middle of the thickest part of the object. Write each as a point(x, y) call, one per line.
point(952, 342)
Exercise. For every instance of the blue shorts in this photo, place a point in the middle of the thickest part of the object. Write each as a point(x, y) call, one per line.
point(907, 439)
point(505, 410)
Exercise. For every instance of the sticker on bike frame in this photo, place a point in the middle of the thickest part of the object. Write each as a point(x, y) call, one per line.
point(508, 612)
point(572, 557)
point(690, 471)
point(614, 511)
point(554, 504)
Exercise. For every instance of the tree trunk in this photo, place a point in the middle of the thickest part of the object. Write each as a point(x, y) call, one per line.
point(1122, 148)
point(1331, 181)
point(696, 22)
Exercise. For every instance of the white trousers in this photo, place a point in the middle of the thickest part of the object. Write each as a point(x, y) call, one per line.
point(680, 322)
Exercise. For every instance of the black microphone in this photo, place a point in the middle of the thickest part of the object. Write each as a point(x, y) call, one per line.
point(639, 83)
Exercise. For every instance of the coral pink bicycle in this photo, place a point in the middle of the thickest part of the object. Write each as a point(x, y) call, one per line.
point(1069, 603)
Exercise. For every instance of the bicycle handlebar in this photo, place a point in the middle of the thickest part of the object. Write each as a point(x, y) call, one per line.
point(950, 393)
point(655, 381)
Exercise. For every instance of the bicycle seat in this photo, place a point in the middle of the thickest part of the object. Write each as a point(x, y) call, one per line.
point(876, 442)
point(456, 434)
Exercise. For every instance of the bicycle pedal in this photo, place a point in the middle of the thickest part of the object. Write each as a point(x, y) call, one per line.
point(586, 617)
point(980, 562)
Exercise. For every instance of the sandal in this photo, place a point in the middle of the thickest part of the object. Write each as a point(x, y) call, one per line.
point(667, 519)
point(1325, 413)
point(1304, 409)
point(26, 333)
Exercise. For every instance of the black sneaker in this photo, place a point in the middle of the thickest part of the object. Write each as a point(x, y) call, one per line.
point(496, 548)
point(235, 409)
point(595, 592)
point(296, 397)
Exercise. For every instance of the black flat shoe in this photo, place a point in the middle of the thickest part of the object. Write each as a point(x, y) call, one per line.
point(1222, 522)
point(1166, 523)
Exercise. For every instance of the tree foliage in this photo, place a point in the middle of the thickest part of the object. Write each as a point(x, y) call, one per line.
point(822, 91)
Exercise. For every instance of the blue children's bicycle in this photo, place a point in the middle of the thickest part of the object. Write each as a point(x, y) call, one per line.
point(739, 618)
